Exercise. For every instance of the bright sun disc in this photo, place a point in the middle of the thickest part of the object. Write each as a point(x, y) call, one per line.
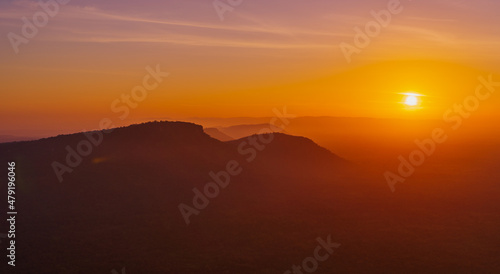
point(411, 100)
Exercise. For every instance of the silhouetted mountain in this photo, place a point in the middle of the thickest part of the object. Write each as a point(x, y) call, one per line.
point(177, 144)
point(123, 197)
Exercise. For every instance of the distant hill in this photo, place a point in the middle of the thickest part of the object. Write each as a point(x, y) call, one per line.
point(348, 136)
point(240, 131)
point(217, 134)
point(227, 122)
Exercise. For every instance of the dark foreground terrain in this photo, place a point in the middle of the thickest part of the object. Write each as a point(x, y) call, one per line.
point(119, 208)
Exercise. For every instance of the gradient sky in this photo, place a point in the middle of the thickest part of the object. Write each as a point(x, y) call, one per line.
point(264, 54)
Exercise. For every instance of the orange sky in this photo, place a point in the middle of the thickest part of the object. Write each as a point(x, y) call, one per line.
point(262, 55)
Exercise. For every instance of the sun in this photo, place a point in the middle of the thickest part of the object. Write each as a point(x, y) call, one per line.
point(411, 100)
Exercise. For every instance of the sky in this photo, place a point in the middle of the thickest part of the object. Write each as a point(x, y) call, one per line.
point(255, 56)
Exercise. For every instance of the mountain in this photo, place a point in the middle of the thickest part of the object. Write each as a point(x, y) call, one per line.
point(122, 199)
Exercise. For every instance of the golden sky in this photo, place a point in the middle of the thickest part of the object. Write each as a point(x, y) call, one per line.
point(263, 54)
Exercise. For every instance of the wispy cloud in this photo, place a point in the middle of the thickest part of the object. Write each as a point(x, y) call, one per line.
point(427, 19)
point(423, 33)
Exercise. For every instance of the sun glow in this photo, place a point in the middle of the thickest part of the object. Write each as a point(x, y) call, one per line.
point(411, 99)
